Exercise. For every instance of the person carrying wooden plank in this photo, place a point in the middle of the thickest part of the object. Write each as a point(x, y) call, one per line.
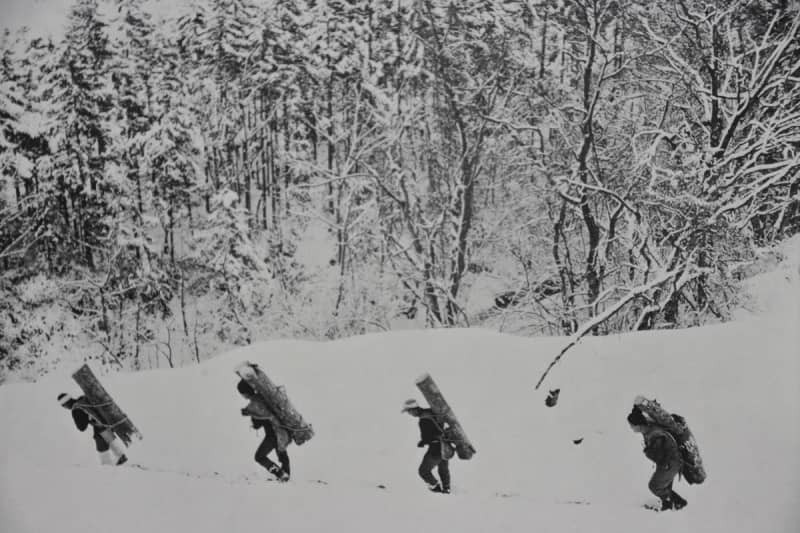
point(454, 432)
point(277, 401)
point(84, 414)
point(432, 434)
point(276, 437)
point(115, 419)
point(669, 443)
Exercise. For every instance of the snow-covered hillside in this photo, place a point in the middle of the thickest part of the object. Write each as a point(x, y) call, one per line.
point(737, 384)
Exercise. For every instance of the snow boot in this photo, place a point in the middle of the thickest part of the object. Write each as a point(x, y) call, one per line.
point(279, 474)
point(666, 503)
point(122, 460)
point(677, 501)
point(116, 447)
point(436, 488)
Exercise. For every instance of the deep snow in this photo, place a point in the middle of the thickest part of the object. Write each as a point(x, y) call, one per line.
point(737, 384)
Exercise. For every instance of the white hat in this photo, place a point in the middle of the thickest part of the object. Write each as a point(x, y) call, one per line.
point(409, 404)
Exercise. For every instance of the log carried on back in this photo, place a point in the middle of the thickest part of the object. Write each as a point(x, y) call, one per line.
point(277, 401)
point(454, 432)
point(692, 468)
point(101, 402)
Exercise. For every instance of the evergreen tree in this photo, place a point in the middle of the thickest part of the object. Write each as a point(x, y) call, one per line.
point(231, 267)
point(23, 148)
point(231, 38)
point(12, 107)
point(79, 92)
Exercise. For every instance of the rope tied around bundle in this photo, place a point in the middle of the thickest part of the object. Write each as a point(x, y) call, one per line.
point(95, 416)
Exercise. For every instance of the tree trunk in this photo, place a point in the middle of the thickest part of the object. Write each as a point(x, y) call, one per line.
point(671, 308)
point(262, 133)
point(17, 196)
point(592, 277)
point(331, 145)
point(246, 166)
point(273, 171)
point(791, 221)
point(454, 433)
point(544, 46)
point(287, 146)
point(459, 265)
point(171, 213)
point(565, 273)
point(138, 348)
point(183, 306)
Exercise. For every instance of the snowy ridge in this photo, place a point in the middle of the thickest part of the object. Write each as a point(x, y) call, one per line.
point(738, 385)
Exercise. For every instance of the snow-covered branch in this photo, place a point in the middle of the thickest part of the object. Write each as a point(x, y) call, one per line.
point(594, 322)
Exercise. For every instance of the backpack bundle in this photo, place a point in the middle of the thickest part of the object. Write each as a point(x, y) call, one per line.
point(693, 471)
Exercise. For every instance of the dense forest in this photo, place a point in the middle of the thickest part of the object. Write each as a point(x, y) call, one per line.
point(172, 185)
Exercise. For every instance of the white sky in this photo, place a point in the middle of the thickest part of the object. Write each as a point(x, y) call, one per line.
point(43, 17)
point(47, 17)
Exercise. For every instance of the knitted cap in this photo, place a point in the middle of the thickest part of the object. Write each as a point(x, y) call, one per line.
point(244, 388)
point(64, 399)
point(637, 417)
point(409, 404)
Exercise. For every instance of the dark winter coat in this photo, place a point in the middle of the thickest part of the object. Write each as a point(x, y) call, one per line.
point(84, 414)
point(661, 447)
point(431, 432)
point(430, 429)
point(261, 417)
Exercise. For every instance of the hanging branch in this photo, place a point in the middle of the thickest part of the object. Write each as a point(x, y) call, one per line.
point(634, 293)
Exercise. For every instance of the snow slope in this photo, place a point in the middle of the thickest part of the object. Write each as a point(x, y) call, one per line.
point(737, 384)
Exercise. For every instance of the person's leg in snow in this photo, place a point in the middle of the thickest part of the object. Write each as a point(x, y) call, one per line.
point(283, 457)
point(444, 475)
point(266, 446)
point(433, 459)
point(677, 501)
point(661, 485)
point(101, 445)
point(263, 450)
point(116, 447)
